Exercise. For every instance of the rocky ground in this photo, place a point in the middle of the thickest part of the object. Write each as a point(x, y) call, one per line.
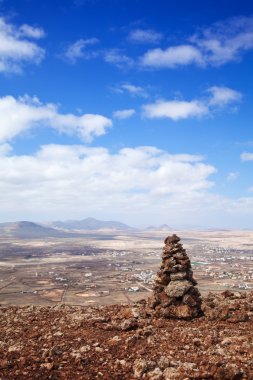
point(124, 342)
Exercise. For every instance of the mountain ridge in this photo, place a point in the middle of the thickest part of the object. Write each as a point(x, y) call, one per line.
point(26, 229)
point(90, 224)
point(72, 228)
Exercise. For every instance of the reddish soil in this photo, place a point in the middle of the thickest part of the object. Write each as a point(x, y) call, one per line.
point(125, 342)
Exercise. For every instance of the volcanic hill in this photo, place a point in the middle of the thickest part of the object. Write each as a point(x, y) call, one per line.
point(175, 335)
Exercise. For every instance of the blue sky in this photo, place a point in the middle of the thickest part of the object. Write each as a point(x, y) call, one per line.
point(133, 110)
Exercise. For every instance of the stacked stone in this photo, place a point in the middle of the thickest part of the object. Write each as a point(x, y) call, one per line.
point(175, 294)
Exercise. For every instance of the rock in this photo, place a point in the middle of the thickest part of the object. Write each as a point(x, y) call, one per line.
point(180, 312)
point(3, 363)
point(171, 374)
point(174, 293)
point(191, 297)
point(178, 288)
point(178, 276)
point(171, 239)
point(156, 374)
point(129, 324)
point(99, 349)
point(229, 372)
point(85, 348)
point(48, 366)
point(140, 366)
point(164, 362)
point(122, 362)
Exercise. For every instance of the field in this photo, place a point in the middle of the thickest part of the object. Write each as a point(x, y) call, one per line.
point(106, 267)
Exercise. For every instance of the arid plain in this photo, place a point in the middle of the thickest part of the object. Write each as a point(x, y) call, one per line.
point(108, 267)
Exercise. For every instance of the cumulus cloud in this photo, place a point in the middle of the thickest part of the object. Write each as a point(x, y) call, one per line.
point(30, 31)
point(223, 42)
point(131, 89)
point(5, 149)
point(246, 156)
point(21, 114)
point(16, 49)
point(85, 180)
point(118, 58)
point(172, 57)
point(175, 109)
point(145, 36)
point(141, 185)
point(221, 96)
point(124, 114)
point(181, 109)
point(79, 50)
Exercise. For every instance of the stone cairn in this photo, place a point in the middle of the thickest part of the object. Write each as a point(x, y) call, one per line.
point(175, 294)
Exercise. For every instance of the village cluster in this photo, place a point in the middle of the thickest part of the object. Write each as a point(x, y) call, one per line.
point(82, 275)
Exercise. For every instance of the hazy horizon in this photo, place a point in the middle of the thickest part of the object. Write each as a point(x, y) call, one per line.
point(171, 227)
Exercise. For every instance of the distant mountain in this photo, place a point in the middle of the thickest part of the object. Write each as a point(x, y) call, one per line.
point(90, 224)
point(162, 227)
point(28, 230)
point(150, 228)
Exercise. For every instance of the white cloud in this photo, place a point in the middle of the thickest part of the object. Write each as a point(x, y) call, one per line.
point(19, 115)
point(124, 114)
point(175, 109)
point(232, 176)
point(118, 58)
point(239, 207)
point(5, 149)
point(16, 49)
point(142, 185)
point(245, 156)
point(131, 89)
point(78, 50)
point(30, 31)
point(145, 36)
point(221, 96)
point(223, 42)
point(181, 109)
point(172, 57)
point(83, 181)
